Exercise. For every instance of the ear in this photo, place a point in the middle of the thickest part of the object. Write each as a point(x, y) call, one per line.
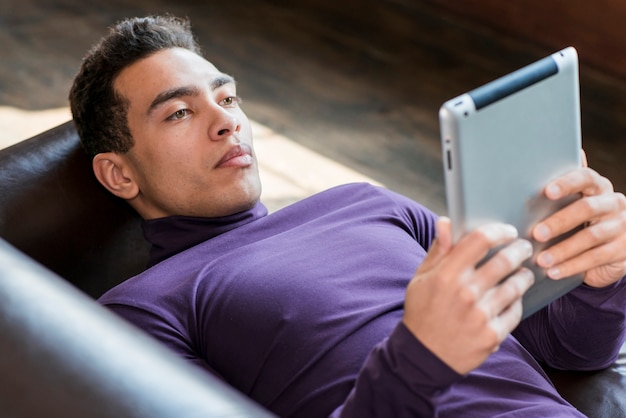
point(113, 172)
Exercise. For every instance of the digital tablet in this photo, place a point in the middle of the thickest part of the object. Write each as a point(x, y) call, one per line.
point(502, 143)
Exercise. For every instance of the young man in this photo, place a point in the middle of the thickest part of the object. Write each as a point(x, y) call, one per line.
point(353, 302)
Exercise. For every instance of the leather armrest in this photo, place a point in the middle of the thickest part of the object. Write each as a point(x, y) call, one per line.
point(53, 209)
point(596, 394)
point(63, 355)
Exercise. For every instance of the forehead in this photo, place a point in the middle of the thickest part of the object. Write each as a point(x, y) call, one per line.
point(164, 70)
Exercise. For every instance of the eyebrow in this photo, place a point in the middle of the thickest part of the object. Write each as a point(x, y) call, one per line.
point(187, 91)
point(221, 80)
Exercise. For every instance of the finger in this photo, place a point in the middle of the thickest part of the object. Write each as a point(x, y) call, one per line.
point(502, 304)
point(606, 254)
point(590, 209)
point(590, 237)
point(508, 320)
point(583, 180)
point(441, 246)
point(501, 265)
point(475, 246)
point(444, 233)
point(583, 158)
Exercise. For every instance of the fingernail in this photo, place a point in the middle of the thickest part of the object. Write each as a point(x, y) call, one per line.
point(542, 232)
point(554, 273)
point(524, 279)
point(527, 248)
point(553, 191)
point(545, 259)
point(530, 279)
point(511, 231)
point(521, 250)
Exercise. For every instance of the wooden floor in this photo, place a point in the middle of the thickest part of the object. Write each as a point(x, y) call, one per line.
point(359, 82)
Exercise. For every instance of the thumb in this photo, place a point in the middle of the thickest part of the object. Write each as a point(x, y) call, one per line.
point(442, 244)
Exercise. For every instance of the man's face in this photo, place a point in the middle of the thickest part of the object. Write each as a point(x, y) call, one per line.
point(192, 152)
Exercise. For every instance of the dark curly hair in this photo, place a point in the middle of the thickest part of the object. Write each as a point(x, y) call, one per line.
point(100, 114)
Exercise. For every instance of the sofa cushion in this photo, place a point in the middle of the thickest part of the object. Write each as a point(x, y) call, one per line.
point(53, 209)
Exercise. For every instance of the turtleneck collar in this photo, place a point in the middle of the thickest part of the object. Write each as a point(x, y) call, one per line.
point(173, 234)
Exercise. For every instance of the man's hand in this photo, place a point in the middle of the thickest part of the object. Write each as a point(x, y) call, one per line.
point(599, 250)
point(461, 312)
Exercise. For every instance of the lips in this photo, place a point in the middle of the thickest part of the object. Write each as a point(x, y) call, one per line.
point(239, 155)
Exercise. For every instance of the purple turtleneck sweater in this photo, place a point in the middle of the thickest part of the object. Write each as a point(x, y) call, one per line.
point(301, 310)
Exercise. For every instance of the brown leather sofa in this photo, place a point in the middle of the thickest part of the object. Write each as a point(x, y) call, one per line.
point(54, 212)
point(61, 353)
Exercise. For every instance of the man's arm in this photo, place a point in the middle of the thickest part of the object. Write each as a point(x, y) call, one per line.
point(155, 326)
point(460, 314)
point(459, 308)
point(583, 330)
point(399, 379)
point(456, 315)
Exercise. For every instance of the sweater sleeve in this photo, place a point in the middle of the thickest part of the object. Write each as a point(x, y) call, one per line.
point(583, 330)
point(419, 221)
point(400, 379)
point(156, 327)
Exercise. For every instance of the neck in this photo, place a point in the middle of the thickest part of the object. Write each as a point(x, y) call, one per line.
point(173, 234)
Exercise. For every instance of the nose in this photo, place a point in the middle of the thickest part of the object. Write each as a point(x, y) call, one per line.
point(224, 125)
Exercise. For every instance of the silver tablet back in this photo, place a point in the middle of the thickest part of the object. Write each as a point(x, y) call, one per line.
point(503, 142)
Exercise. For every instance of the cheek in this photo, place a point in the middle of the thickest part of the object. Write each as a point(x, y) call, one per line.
point(162, 169)
point(170, 151)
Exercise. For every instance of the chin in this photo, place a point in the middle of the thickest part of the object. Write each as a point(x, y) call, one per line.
point(249, 204)
point(246, 200)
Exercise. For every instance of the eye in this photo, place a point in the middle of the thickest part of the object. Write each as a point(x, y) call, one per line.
point(179, 114)
point(230, 101)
